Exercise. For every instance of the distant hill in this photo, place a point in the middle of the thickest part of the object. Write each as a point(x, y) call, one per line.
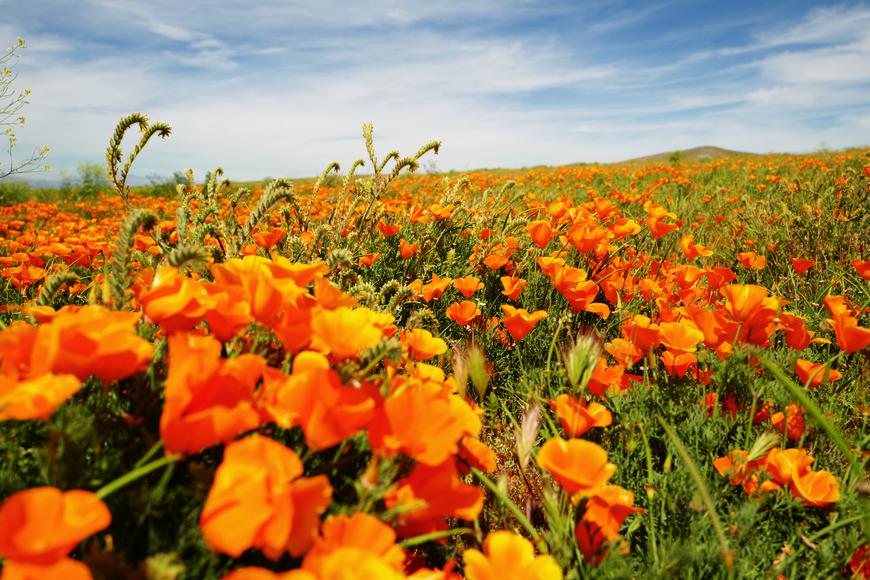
point(693, 154)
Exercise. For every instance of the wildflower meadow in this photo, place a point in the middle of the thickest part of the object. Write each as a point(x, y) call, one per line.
point(597, 371)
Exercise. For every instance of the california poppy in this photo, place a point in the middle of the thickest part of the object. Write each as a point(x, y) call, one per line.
point(579, 466)
point(506, 555)
point(462, 313)
point(520, 322)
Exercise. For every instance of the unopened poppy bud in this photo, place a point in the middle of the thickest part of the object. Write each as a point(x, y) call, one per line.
point(580, 360)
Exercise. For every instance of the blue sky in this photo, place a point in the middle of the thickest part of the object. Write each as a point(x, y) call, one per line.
point(273, 88)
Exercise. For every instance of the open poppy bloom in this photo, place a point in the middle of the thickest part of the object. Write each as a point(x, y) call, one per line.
point(577, 418)
point(258, 500)
point(850, 336)
point(462, 313)
point(467, 286)
point(801, 265)
point(438, 492)
point(507, 555)
point(209, 399)
point(359, 530)
point(579, 466)
point(422, 345)
point(752, 261)
point(815, 374)
point(314, 397)
point(41, 525)
point(90, 340)
point(541, 233)
point(36, 398)
point(175, 302)
point(608, 508)
point(407, 249)
point(344, 332)
point(513, 286)
point(520, 322)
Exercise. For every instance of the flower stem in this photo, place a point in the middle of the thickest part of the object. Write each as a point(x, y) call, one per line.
point(137, 473)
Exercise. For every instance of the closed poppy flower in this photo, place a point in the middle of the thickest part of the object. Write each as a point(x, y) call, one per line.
point(815, 374)
point(507, 555)
point(468, 285)
point(258, 500)
point(359, 530)
point(208, 399)
point(422, 345)
point(579, 466)
point(344, 332)
point(314, 398)
point(42, 525)
point(462, 313)
point(817, 488)
point(36, 398)
point(577, 418)
point(91, 340)
point(513, 286)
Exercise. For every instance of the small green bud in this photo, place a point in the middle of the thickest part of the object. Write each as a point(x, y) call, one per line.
point(476, 361)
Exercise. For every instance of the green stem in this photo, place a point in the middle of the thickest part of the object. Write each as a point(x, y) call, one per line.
point(512, 507)
point(423, 538)
point(137, 473)
point(727, 555)
point(145, 458)
point(652, 517)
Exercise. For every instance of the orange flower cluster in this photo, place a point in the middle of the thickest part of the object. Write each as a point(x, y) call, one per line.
point(783, 468)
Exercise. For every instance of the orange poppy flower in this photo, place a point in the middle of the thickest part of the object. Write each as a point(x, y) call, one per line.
point(36, 398)
point(801, 265)
point(230, 312)
point(359, 530)
point(42, 525)
point(389, 230)
point(329, 296)
point(258, 500)
point(520, 322)
point(850, 336)
point(752, 261)
point(625, 352)
point(792, 422)
point(422, 345)
point(817, 488)
point(579, 466)
point(424, 421)
point(255, 573)
point(209, 399)
point(467, 286)
point(64, 569)
point(506, 555)
point(314, 397)
point(269, 239)
point(473, 452)
point(90, 340)
point(174, 302)
point(753, 308)
point(462, 313)
point(690, 250)
point(815, 374)
point(608, 508)
point(369, 259)
point(438, 493)
point(541, 233)
point(407, 249)
point(344, 332)
point(796, 334)
point(862, 267)
point(434, 289)
point(656, 214)
point(267, 285)
point(513, 286)
point(577, 418)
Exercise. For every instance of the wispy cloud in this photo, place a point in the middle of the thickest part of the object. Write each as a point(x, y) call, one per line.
point(278, 87)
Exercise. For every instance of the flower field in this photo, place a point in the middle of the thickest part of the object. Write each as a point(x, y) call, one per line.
point(587, 371)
